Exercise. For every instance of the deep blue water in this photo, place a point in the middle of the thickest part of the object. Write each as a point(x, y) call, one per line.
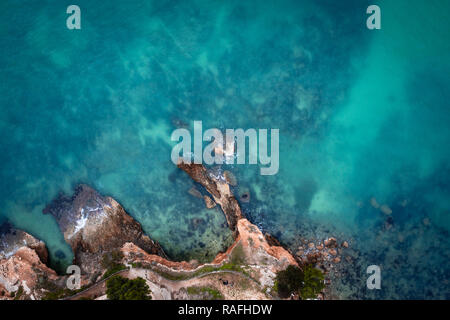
point(363, 116)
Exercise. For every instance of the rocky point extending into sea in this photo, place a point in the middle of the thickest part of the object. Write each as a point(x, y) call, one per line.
point(106, 240)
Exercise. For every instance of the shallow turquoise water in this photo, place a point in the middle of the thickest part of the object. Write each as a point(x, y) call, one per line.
point(362, 114)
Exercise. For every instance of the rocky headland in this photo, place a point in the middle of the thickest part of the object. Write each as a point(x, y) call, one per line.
point(219, 189)
point(23, 266)
point(94, 226)
point(107, 241)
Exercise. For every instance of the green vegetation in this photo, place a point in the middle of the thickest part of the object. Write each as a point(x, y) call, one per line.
point(55, 292)
point(237, 261)
point(114, 269)
point(307, 283)
point(233, 267)
point(111, 261)
point(55, 295)
point(137, 265)
point(60, 293)
point(244, 284)
point(312, 284)
point(265, 291)
point(275, 287)
point(289, 281)
point(120, 288)
point(212, 293)
point(177, 276)
point(238, 255)
point(19, 293)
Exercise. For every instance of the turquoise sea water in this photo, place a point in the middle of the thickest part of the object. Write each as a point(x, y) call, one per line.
point(362, 114)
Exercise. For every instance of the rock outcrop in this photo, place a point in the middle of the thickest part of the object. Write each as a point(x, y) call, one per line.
point(94, 225)
point(23, 271)
point(253, 247)
point(251, 263)
point(12, 239)
point(218, 187)
point(97, 226)
point(257, 255)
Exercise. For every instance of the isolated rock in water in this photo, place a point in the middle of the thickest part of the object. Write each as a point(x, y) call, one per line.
point(228, 152)
point(209, 202)
point(330, 242)
point(12, 239)
point(94, 225)
point(245, 197)
point(333, 252)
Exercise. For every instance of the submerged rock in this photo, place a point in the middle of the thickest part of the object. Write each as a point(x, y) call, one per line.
point(209, 202)
point(389, 223)
point(385, 209)
point(196, 222)
point(330, 242)
point(245, 197)
point(60, 254)
point(195, 193)
point(374, 203)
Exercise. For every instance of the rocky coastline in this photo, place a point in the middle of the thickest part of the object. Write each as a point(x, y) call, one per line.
point(23, 260)
point(106, 240)
point(219, 189)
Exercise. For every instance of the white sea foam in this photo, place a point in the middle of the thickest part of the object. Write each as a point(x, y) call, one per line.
point(86, 214)
point(81, 222)
point(9, 250)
